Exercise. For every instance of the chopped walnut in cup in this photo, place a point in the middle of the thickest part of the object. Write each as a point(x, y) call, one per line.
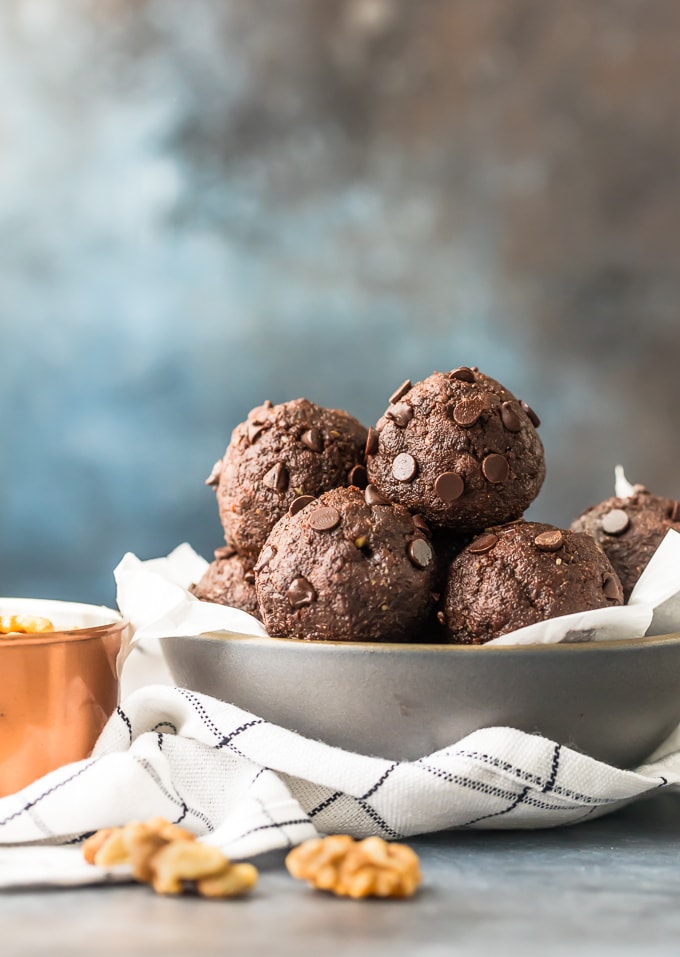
point(11, 625)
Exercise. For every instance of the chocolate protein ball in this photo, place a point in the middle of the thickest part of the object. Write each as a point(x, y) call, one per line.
point(458, 448)
point(279, 453)
point(521, 573)
point(228, 580)
point(629, 530)
point(349, 566)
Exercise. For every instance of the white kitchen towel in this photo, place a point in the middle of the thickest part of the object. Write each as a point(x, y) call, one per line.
point(249, 786)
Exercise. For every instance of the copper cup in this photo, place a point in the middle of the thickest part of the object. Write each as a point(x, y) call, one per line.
point(57, 689)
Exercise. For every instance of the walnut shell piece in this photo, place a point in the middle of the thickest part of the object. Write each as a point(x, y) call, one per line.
point(170, 859)
point(183, 861)
point(348, 868)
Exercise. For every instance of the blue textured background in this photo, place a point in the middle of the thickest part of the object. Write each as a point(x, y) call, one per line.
point(206, 204)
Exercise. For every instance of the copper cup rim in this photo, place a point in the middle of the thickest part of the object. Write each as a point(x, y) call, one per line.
point(88, 633)
point(113, 623)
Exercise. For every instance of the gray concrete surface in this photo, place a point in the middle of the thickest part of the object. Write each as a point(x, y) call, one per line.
point(607, 887)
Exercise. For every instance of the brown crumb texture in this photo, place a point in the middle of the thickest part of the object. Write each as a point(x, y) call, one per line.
point(459, 448)
point(349, 566)
point(229, 580)
point(521, 573)
point(278, 454)
point(629, 530)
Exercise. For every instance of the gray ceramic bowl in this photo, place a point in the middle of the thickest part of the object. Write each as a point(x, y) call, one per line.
point(615, 701)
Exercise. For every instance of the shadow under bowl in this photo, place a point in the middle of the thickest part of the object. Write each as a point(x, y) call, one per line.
point(613, 700)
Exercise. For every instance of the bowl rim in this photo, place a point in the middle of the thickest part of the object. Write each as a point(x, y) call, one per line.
point(384, 647)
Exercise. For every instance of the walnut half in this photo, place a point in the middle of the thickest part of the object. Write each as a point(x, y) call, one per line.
point(170, 859)
point(369, 868)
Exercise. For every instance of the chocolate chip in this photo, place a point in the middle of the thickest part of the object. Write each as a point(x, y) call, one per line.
point(422, 526)
point(255, 430)
point(533, 418)
point(509, 418)
point(249, 577)
point(404, 467)
point(401, 414)
point(313, 440)
point(674, 512)
point(420, 552)
point(449, 486)
point(468, 411)
point(372, 496)
point(276, 478)
point(214, 477)
point(463, 374)
point(401, 391)
point(610, 587)
point(550, 541)
point(226, 551)
point(615, 522)
point(495, 468)
point(483, 544)
point(358, 476)
point(372, 441)
point(324, 519)
point(301, 593)
point(299, 503)
point(264, 557)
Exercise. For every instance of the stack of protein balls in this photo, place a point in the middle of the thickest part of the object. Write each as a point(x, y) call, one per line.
point(411, 530)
